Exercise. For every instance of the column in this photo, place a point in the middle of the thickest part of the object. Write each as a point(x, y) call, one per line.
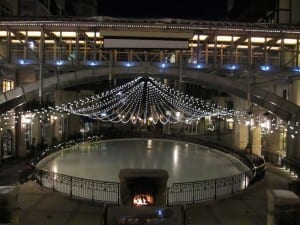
point(296, 91)
point(41, 64)
point(293, 142)
point(21, 147)
point(180, 69)
point(178, 128)
point(8, 47)
point(240, 137)
point(256, 140)
point(293, 147)
point(167, 128)
point(274, 146)
point(77, 47)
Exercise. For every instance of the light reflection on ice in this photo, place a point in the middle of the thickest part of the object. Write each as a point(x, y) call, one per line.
point(184, 162)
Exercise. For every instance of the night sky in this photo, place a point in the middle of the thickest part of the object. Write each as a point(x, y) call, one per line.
point(192, 9)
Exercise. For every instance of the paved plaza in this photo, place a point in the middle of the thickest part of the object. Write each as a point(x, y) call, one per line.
point(39, 205)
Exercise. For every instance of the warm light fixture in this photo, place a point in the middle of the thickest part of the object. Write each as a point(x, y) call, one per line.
point(227, 38)
point(65, 34)
point(287, 41)
point(258, 39)
point(92, 34)
point(199, 37)
point(31, 33)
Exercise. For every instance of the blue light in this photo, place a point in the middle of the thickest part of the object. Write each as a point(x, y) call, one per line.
point(22, 61)
point(199, 66)
point(160, 212)
point(93, 63)
point(59, 62)
point(128, 64)
point(296, 69)
point(233, 67)
point(265, 68)
point(163, 65)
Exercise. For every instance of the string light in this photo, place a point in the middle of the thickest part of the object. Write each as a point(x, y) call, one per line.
point(142, 100)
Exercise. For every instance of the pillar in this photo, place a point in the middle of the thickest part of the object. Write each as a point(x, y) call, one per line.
point(275, 146)
point(178, 128)
point(166, 128)
point(240, 137)
point(21, 146)
point(293, 142)
point(203, 125)
point(296, 91)
point(256, 140)
point(41, 64)
point(293, 147)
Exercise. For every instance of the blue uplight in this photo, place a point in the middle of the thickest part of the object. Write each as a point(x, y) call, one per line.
point(199, 66)
point(22, 62)
point(163, 65)
point(128, 64)
point(93, 63)
point(296, 69)
point(265, 68)
point(232, 67)
point(160, 212)
point(59, 62)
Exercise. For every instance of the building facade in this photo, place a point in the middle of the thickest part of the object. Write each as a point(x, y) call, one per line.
point(48, 8)
point(269, 11)
point(246, 67)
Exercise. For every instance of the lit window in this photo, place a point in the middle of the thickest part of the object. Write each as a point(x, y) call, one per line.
point(7, 85)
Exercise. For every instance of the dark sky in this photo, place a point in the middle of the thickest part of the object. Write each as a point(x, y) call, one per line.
point(191, 9)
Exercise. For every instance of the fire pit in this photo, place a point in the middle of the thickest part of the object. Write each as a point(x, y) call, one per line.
point(142, 187)
point(143, 199)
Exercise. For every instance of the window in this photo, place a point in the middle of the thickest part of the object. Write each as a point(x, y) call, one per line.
point(284, 94)
point(5, 10)
point(6, 144)
point(7, 85)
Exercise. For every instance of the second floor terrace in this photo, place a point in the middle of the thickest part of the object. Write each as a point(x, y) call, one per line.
point(266, 53)
point(234, 47)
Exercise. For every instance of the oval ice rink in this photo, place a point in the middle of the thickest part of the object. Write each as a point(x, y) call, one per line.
point(103, 160)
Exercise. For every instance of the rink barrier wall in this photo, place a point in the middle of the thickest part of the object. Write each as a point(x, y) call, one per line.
point(177, 193)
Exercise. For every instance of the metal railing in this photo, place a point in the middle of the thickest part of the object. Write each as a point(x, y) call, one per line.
point(192, 192)
point(292, 165)
point(177, 193)
point(77, 187)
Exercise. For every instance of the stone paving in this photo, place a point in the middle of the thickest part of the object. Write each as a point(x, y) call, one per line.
point(41, 206)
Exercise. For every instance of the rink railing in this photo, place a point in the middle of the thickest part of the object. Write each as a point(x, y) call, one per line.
point(177, 193)
point(76, 187)
point(192, 192)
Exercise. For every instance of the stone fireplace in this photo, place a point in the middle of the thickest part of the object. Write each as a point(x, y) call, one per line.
point(140, 187)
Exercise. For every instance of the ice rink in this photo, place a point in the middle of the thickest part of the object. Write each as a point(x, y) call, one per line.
point(103, 160)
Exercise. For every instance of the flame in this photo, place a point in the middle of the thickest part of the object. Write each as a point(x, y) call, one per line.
point(142, 199)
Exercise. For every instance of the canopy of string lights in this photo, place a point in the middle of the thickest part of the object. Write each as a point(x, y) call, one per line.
point(144, 99)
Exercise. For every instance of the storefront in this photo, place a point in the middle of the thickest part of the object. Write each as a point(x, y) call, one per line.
point(7, 149)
